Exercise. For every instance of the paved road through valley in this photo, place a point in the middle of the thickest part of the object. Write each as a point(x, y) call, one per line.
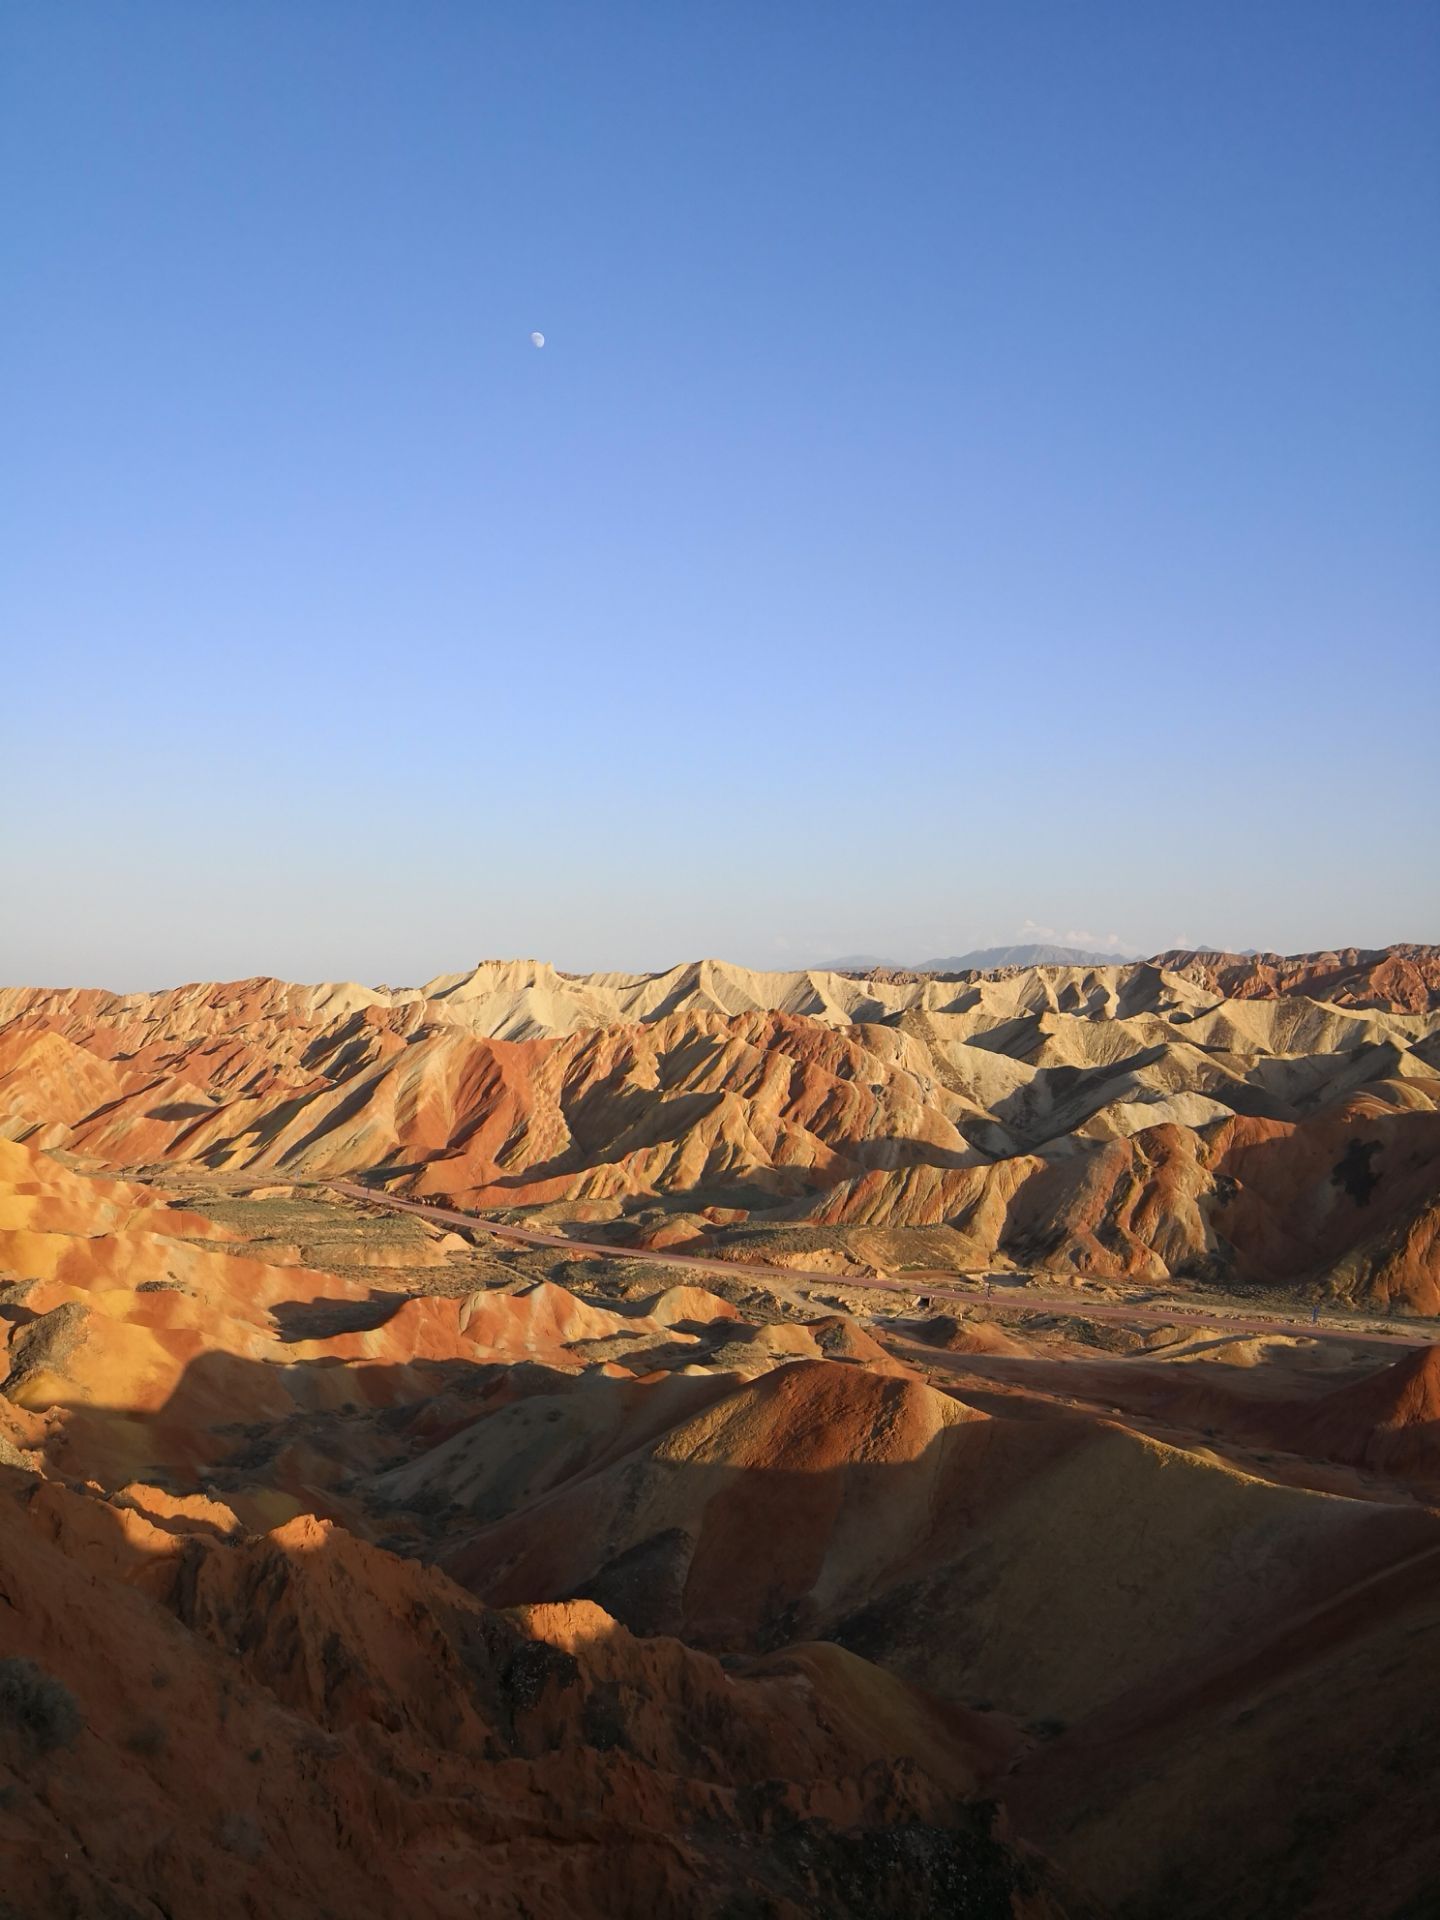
point(1007, 1296)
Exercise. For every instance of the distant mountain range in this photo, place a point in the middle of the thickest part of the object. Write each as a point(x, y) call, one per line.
point(985, 960)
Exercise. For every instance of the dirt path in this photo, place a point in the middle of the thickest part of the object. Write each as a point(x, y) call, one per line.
point(1021, 1299)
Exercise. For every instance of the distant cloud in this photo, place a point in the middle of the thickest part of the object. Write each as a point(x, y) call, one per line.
point(1033, 933)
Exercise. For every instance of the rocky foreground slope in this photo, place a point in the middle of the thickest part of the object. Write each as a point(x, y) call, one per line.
point(372, 1571)
point(200, 1716)
point(1235, 1120)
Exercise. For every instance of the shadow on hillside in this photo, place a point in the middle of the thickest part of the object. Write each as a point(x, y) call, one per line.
point(529, 1481)
point(288, 1718)
point(324, 1318)
point(1053, 1572)
point(435, 1459)
point(759, 1191)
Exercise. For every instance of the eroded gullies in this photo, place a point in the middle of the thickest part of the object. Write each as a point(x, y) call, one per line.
point(945, 1557)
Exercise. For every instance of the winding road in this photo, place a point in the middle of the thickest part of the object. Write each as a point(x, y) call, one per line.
point(1007, 1294)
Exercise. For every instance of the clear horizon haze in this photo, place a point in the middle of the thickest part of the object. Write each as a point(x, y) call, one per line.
point(980, 482)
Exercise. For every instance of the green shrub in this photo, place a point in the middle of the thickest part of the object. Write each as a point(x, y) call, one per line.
point(37, 1709)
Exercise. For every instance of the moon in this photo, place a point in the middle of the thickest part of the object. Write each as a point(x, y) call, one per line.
point(537, 339)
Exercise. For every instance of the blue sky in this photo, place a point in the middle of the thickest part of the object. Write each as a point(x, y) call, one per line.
point(984, 470)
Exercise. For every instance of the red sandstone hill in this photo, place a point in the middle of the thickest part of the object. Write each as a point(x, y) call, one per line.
point(512, 1595)
point(1215, 1120)
point(1402, 979)
point(197, 1716)
point(300, 1725)
point(1389, 1421)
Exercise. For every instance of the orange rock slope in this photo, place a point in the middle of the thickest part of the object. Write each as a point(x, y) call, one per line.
point(1403, 978)
point(523, 1600)
point(1206, 1117)
point(297, 1724)
point(200, 1717)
